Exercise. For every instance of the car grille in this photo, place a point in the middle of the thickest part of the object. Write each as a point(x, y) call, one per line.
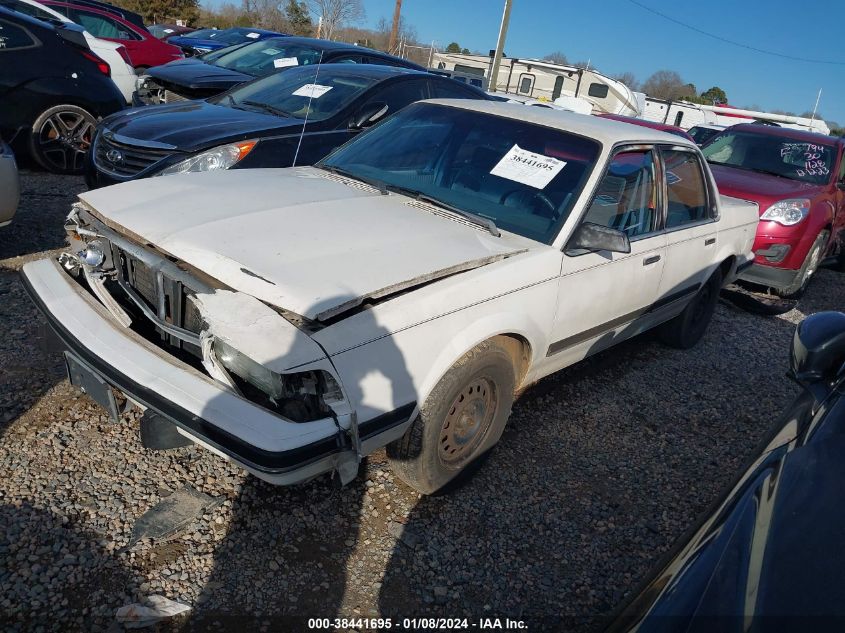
point(168, 299)
point(122, 160)
point(173, 97)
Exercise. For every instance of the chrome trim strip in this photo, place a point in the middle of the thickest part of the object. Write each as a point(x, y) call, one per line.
point(126, 140)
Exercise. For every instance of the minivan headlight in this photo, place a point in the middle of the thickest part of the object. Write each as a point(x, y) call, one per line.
point(787, 212)
point(221, 157)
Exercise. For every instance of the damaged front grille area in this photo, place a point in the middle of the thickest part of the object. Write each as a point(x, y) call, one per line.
point(165, 301)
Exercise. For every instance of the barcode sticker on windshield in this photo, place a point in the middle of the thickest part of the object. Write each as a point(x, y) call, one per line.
point(271, 51)
point(534, 170)
point(284, 62)
point(252, 35)
point(315, 91)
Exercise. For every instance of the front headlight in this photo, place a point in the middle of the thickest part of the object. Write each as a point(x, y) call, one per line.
point(787, 212)
point(300, 396)
point(222, 157)
point(141, 82)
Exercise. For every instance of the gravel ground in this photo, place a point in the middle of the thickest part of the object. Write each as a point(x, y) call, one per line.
point(601, 468)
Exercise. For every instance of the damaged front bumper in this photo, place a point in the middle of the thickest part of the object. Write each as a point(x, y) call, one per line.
point(266, 444)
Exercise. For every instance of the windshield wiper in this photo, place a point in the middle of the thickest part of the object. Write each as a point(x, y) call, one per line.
point(265, 107)
point(475, 218)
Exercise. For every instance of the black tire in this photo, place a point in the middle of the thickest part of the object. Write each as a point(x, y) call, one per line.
point(462, 418)
point(686, 329)
point(808, 268)
point(60, 137)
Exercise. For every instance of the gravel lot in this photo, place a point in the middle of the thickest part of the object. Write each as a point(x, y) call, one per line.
point(601, 468)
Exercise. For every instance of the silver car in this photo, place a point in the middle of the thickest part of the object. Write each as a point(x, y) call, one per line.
point(9, 185)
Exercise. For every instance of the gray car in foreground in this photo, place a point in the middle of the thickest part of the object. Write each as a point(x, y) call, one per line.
point(9, 185)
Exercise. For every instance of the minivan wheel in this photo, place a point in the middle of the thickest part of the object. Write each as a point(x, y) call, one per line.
point(686, 329)
point(60, 138)
point(807, 270)
point(462, 418)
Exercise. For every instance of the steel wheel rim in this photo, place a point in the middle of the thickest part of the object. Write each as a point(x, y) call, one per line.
point(64, 139)
point(467, 421)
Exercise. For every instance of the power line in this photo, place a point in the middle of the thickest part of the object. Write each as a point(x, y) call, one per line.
point(732, 42)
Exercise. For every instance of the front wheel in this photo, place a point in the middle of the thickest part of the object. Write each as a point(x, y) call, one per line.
point(807, 270)
point(462, 418)
point(686, 329)
point(60, 138)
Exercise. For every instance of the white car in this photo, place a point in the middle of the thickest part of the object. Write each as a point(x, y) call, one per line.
point(398, 294)
point(115, 55)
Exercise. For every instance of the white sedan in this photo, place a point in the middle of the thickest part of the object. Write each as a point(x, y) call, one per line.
point(401, 293)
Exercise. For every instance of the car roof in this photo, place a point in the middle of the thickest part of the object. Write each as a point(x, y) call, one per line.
point(331, 45)
point(366, 70)
point(248, 29)
point(644, 122)
point(606, 131)
point(788, 132)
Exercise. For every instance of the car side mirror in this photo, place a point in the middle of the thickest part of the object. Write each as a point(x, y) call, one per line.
point(367, 115)
point(818, 348)
point(596, 237)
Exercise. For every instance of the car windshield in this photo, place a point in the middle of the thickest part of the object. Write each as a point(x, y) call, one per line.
point(523, 176)
point(317, 91)
point(769, 154)
point(235, 36)
point(701, 134)
point(202, 34)
point(264, 57)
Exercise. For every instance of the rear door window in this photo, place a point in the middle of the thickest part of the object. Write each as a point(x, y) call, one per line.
point(102, 26)
point(13, 37)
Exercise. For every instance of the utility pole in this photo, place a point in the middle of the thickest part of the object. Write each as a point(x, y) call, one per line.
point(500, 46)
point(394, 32)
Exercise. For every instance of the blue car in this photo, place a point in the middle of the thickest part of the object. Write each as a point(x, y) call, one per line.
point(193, 45)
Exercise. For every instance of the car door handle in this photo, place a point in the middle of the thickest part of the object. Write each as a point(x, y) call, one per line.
point(651, 260)
point(709, 241)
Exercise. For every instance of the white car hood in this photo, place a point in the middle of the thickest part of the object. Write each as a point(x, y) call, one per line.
point(300, 239)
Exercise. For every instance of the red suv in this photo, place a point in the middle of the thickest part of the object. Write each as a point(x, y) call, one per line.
point(798, 179)
point(144, 48)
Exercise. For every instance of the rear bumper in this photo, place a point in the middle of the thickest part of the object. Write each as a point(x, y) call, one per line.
point(273, 448)
point(769, 276)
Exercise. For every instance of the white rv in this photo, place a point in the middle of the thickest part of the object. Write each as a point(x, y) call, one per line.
point(686, 115)
point(544, 81)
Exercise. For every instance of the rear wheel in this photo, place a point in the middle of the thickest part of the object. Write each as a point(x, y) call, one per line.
point(462, 418)
point(807, 270)
point(686, 329)
point(60, 138)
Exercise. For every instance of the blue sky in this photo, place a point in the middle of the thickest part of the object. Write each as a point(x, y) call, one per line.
point(618, 36)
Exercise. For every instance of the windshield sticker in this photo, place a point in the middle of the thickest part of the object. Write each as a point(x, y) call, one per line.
point(168, 30)
point(252, 36)
point(534, 170)
point(808, 159)
point(271, 51)
point(314, 91)
point(284, 62)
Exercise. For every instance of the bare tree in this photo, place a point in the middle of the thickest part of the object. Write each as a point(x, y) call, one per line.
point(556, 58)
point(628, 79)
point(336, 13)
point(667, 84)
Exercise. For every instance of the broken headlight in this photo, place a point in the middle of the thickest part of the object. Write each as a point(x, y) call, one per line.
point(301, 396)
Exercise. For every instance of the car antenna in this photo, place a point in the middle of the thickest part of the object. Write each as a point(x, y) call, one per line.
point(307, 111)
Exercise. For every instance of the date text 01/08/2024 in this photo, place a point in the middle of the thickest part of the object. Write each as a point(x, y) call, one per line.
point(416, 624)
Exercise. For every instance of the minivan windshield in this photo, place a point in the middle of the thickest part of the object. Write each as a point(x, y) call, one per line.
point(317, 91)
point(523, 176)
point(267, 56)
point(772, 154)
